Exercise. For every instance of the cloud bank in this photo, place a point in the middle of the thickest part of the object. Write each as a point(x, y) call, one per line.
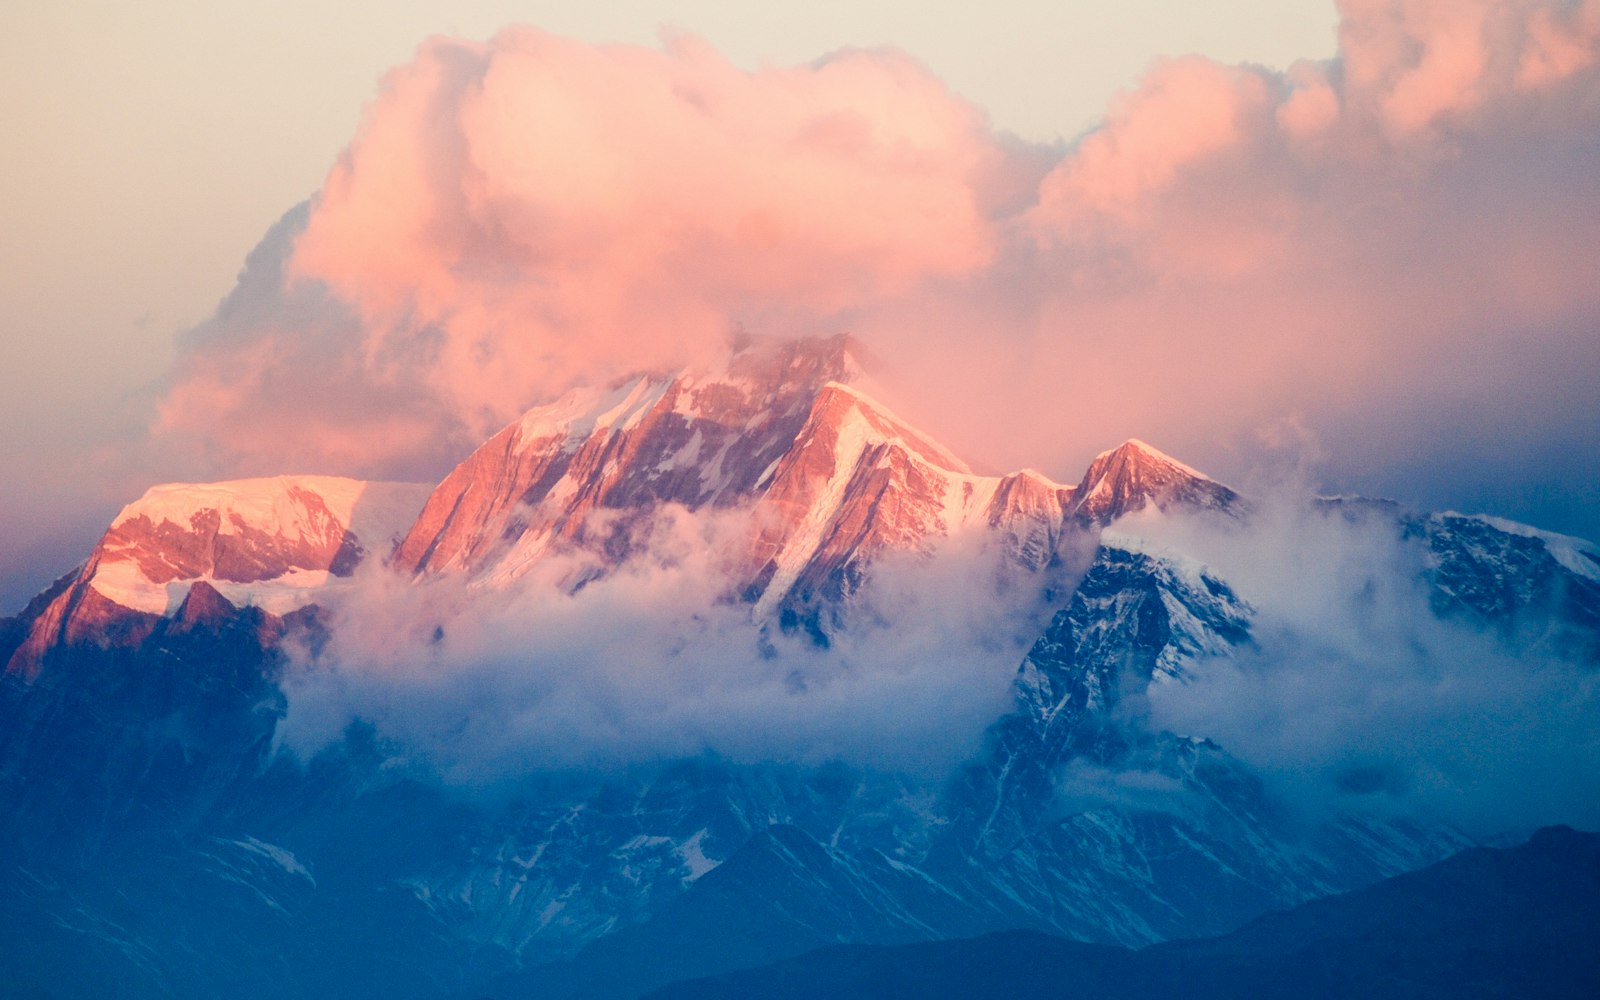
point(653, 661)
point(1355, 694)
point(1352, 696)
point(1394, 248)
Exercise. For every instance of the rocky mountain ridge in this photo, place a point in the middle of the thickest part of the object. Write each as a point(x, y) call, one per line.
point(830, 479)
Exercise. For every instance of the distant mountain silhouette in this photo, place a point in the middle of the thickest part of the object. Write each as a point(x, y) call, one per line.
point(1523, 922)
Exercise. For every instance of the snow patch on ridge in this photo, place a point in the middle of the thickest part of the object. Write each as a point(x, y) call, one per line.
point(850, 425)
point(1151, 452)
point(852, 437)
point(966, 500)
point(694, 857)
point(1576, 555)
point(264, 504)
point(377, 514)
point(282, 858)
point(914, 440)
point(581, 413)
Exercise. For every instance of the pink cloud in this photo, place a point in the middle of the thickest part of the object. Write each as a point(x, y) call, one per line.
point(1561, 42)
point(1388, 248)
point(1419, 62)
point(557, 208)
point(1394, 248)
point(1182, 112)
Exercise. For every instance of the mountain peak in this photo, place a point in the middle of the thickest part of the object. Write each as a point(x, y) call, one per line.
point(1134, 475)
point(890, 427)
point(246, 535)
point(197, 551)
point(203, 606)
point(785, 424)
point(1137, 452)
point(812, 361)
point(703, 437)
point(856, 481)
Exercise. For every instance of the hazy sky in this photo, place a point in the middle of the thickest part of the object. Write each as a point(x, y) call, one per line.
point(1387, 258)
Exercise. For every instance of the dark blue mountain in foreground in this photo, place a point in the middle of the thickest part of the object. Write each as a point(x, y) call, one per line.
point(157, 841)
point(1520, 922)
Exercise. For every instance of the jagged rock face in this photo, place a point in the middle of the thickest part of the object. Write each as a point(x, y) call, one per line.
point(1028, 513)
point(859, 482)
point(1132, 621)
point(1502, 573)
point(695, 439)
point(148, 731)
point(831, 479)
point(856, 482)
point(79, 616)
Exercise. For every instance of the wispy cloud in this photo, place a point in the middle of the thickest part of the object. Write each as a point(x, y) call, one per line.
point(1356, 694)
point(652, 661)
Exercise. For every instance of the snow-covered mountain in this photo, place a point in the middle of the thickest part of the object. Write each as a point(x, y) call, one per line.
point(700, 439)
point(1128, 478)
point(828, 477)
point(141, 708)
point(271, 543)
point(831, 478)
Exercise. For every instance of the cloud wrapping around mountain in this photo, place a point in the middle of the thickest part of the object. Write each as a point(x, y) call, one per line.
point(1352, 695)
point(1355, 694)
point(652, 662)
point(1393, 247)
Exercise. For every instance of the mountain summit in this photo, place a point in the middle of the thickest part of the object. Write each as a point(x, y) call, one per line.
point(832, 475)
point(695, 438)
point(273, 542)
point(1134, 475)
